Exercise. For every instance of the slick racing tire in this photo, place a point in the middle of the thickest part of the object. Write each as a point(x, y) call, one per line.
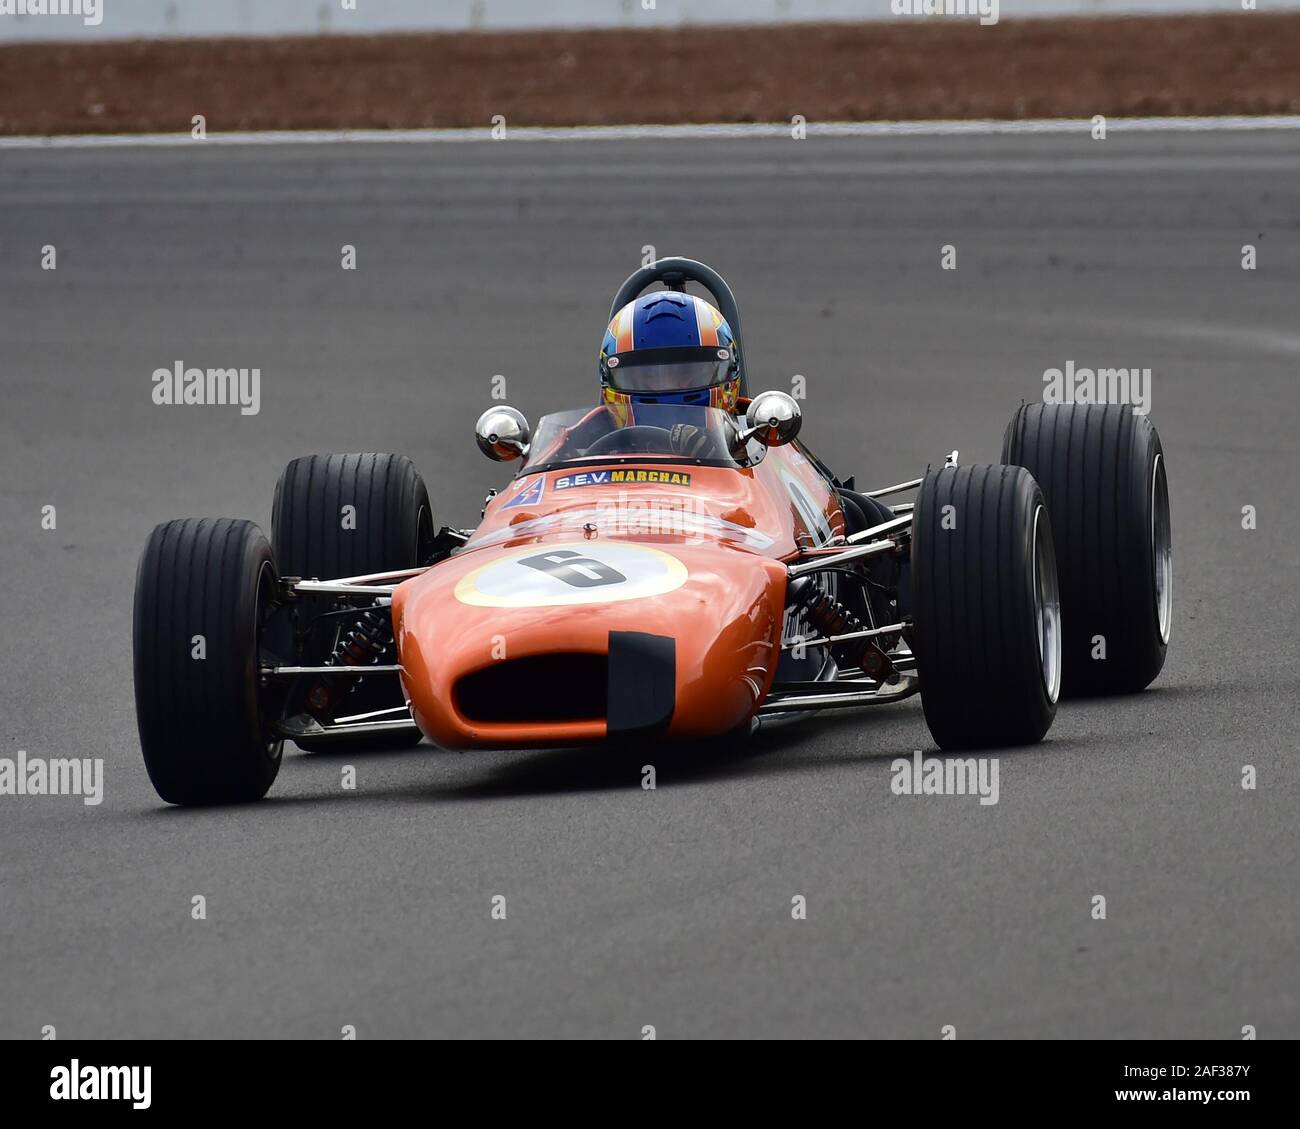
point(1102, 471)
point(986, 626)
point(202, 592)
point(349, 515)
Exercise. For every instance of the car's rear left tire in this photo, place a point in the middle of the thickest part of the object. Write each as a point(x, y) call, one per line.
point(1102, 472)
point(204, 587)
point(985, 621)
point(349, 515)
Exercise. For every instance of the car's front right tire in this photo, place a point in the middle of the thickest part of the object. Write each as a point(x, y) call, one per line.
point(203, 589)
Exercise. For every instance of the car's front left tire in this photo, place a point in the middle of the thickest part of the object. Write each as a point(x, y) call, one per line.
point(986, 627)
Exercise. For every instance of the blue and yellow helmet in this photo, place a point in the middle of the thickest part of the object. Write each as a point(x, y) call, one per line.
point(668, 347)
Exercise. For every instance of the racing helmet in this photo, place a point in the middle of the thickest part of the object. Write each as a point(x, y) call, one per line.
point(669, 347)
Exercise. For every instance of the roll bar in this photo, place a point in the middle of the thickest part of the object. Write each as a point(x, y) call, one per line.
point(675, 272)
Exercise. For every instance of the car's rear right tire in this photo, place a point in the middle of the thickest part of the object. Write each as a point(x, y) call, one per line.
point(986, 628)
point(350, 515)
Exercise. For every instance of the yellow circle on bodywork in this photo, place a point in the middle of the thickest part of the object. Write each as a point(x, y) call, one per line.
point(571, 572)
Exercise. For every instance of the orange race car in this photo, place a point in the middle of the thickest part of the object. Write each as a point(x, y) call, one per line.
point(673, 563)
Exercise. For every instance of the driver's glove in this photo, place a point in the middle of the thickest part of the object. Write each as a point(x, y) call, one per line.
point(691, 441)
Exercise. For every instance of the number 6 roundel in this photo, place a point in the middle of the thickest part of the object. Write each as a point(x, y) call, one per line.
point(571, 573)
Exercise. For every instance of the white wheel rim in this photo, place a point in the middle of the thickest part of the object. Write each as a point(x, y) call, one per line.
point(1047, 613)
point(1162, 553)
point(273, 743)
point(419, 525)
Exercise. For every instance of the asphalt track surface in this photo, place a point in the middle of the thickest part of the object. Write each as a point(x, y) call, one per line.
point(673, 907)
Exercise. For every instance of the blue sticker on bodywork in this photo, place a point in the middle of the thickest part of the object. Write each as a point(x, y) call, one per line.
point(530, 495)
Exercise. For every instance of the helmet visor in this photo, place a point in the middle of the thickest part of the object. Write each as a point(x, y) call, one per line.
point(669, 370)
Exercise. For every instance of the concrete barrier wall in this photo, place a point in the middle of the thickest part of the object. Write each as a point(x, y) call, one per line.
point(156, 18)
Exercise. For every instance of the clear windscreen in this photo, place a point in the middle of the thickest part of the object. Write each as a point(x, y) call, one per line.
point(688, 433)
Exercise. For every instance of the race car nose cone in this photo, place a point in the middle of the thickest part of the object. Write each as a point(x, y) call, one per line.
point(570, 642)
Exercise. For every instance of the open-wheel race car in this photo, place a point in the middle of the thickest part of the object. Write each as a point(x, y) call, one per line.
point(672, 564)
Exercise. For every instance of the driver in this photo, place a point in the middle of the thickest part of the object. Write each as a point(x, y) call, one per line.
point(669, 347)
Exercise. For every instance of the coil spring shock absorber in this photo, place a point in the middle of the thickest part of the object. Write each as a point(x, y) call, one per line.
point(369, 638)
point(363, 644)
point(830, 617)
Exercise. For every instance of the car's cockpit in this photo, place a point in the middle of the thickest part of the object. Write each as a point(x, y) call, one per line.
point(690, 433)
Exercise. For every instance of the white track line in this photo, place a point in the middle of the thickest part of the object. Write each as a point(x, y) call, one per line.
point(657, 132)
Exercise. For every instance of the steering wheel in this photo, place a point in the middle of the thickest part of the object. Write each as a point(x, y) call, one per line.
point(643, 439)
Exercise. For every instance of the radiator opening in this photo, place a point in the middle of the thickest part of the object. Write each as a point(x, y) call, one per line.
point(556, 687)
